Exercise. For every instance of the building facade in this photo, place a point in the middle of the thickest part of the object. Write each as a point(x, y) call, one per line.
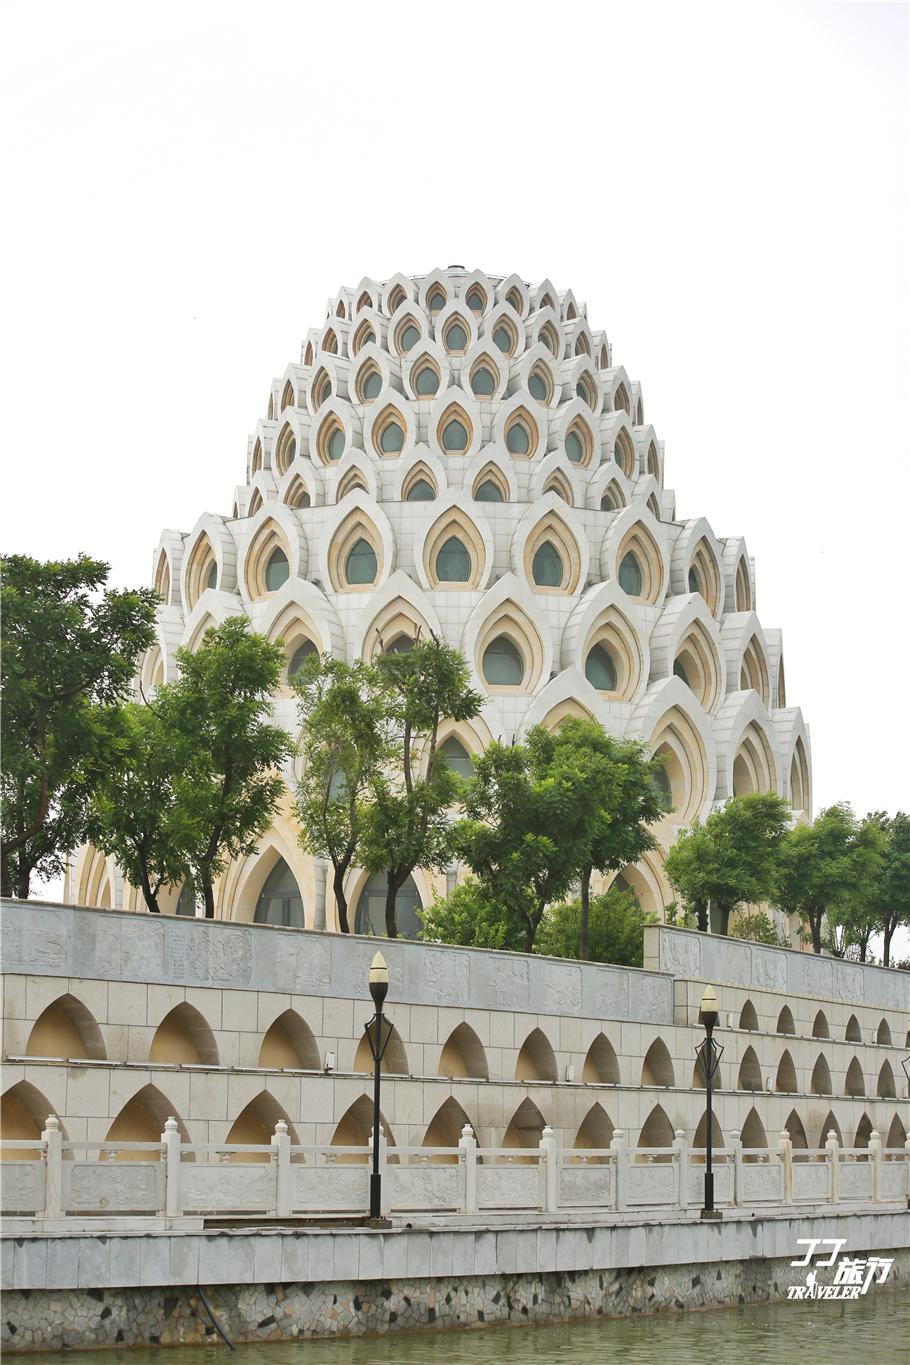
point(459, 454)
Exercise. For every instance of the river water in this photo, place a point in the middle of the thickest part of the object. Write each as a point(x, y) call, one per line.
point(870, 1331)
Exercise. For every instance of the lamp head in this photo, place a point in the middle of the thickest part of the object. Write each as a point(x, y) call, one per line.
point(378, 979)
point(708, 1013)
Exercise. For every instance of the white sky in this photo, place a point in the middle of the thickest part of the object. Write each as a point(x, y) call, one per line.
point(724, 184)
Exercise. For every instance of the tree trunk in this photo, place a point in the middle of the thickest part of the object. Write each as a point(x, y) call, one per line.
point(815, 924)
point(393, 886)
point(585, 901)
point(23, 883)
point(725, 912)
point(701, 916)
point(341, 900)
point(886, 945)
point(208, 895)
point(151, 900)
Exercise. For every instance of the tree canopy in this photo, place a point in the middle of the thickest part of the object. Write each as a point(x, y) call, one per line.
point(69, 652)
point(829, 868)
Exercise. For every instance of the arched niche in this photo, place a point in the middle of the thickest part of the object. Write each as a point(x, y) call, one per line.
point(67, 1029)
point(657, 1068)
point(830, 1125)
point(853, 1033)
point(289, 1044)
point(785, 1022)
point(601, 1066)
point(657, 1132)
point(854, 1082)
point(820, 1026)
point(445, 1129)
point(794, 1127)
point(24, 1111)
point(594, 1132)
point(753, 1135)
point(184, 1038)
point(463, 1055)
point(864, 1131)
point(700, 1137)
point(142, 1119)
point(254, 1126)
point(885, 1088)
point(785, 1082)
point(355, 1128)
point(821, 1076)
point(748, 1019)
point(536, 1059)
point(883, 1034)
point(394, 1058)
point(525, 1127)
point(897, 1135)
point(750, 1077)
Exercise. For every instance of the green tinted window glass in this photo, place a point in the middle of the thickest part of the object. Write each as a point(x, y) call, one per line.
point(574, 448)
point(680, 672)
point(503, 339)
point(211, 580)
point(277, 570)
point(581, 391)
point(420, 491)
point(600, 670)
point(427, 381)
point(475, 300)
point(186, 901)
point(361, 564)
point(457, 757)
point(483, 382)
point(279, 900)
point(662, 783)
point(301, 654)
point(290, 450)
point(453, 563)
point(488, 492)
point(618, 455)
point(455, 436)
point(372, 385)
point(546, 566)
point(409, 337)
point(693, 581)
point(630, 579)
point(517, 439)
point(436, 300)
point(402, 644)
point(370, 916)
point(392, 438)
point(456, 337)
point(336, 444)
point(368, 337)
point(537, 387)
point(502, 664)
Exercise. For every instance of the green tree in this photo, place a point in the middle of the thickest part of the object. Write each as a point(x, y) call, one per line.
point(135, 815)
point(731, 859)
point(345, 744)
point(407, 823)
point(469, 917)
point(890, 898)
point(828, 869)
point(624, 796)
point(69, 653)
point(527, 828)
point(615, 928)
point(223, 749)
point(755, 928)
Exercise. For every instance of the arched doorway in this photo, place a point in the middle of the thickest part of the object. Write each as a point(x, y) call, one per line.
point(280, 901)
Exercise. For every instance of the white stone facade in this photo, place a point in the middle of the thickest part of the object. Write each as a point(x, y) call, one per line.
point(486, 417)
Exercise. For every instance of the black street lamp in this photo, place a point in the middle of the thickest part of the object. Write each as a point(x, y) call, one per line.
point(379, 1031)
point(709, 1054)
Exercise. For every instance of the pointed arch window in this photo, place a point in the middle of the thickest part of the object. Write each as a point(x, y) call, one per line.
point(420, 491)
point(540, 385)
point(548, 337)
point(600, 670)
point(578, 443)
point(504, 337)
point(483, 381)
point(280, 901)
point(547, 568)
point(361, 566)
point(407, 336)
point(630, 575)
point(370, 914)
point(211, 580)
point(456, 337)
point(331, 441)
point(457, 757)
point(388, 433)
point(454, 435)
point(488, 491)
point(277, 569)
point(453, 562)
point(299, 657)
point(436, 299)
point(476, 299)
point(521, 434)
point(426, 379)
point(369, 383)
point(503, 665)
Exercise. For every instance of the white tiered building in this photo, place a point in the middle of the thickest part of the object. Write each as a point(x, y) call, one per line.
point(459, 454)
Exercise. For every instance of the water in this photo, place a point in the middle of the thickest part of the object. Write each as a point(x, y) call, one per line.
point(871, 1331)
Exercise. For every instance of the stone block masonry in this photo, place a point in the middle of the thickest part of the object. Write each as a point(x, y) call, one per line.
point(82, 1291)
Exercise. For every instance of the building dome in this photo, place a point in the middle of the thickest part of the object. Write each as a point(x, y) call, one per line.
point(460, 454)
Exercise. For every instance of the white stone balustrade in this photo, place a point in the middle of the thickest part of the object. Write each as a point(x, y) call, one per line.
point(53, 1179)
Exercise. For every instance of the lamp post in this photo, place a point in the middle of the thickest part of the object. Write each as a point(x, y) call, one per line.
point(709, 1053)
point(379, 1031)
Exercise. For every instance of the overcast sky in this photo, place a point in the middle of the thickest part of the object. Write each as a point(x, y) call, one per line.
point(724, 184)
